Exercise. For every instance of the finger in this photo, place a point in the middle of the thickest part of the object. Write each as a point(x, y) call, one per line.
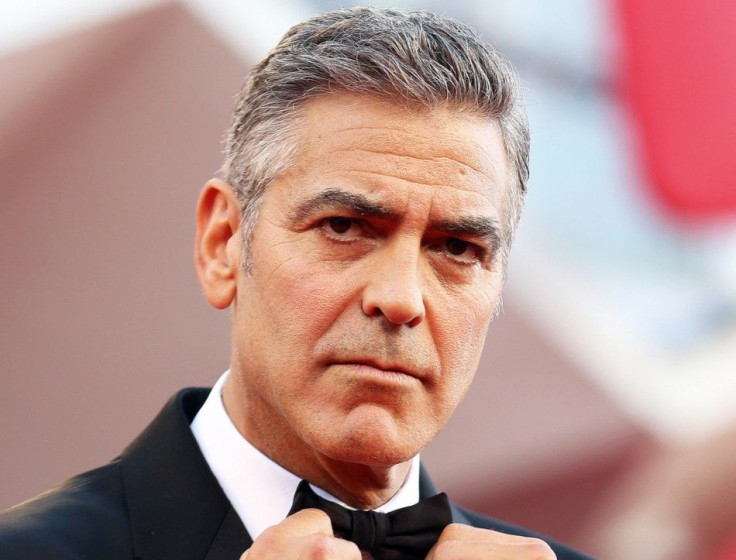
point(462, 541)
point(306, 522)
point(273, 546)
point(306, 534)
point(525, 549)
point(323, 547)
point(458, 531)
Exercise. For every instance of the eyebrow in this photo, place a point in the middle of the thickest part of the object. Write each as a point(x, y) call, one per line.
point(482, 228)
point(336, 198)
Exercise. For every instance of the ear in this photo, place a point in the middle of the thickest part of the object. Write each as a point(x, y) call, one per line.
point(217, 245)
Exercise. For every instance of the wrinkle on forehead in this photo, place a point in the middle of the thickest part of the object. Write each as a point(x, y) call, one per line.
point(392, 139)
point(434, 166)
point(415, 180)
point(446, 159)
point(462, 136)
point(431, 170)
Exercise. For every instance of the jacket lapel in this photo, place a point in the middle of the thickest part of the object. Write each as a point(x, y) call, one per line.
point(177, 509)
point(427, 489)
point(231, 540)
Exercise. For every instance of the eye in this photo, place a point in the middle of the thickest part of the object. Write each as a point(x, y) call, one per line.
point(341, 229)
point(461, 250)
point(339, 225)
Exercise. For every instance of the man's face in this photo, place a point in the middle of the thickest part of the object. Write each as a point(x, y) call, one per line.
point(375, 274)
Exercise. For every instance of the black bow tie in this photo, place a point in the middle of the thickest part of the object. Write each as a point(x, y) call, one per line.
point(403, 534)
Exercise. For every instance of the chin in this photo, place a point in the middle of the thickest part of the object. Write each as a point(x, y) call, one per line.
point(372, 443)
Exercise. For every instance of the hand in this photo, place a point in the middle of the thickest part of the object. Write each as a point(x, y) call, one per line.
point(462, 541)
point(305, 535)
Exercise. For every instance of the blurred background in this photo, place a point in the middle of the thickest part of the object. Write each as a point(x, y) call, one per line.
point(604, 409)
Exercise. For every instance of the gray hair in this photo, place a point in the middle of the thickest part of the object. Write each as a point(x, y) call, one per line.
point(417, 58)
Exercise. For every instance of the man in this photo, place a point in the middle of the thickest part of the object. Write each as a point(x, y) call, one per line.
point(359, 232)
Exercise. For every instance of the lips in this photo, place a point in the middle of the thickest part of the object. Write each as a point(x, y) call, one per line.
point(388, 368)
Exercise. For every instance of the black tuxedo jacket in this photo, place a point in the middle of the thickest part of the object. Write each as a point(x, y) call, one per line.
point(157, 501)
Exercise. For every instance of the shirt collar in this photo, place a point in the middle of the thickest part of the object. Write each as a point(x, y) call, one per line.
point(260, 490)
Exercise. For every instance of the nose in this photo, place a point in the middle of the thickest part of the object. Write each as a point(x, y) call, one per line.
point(393, 289)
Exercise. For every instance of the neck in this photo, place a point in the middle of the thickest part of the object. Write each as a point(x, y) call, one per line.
point(359, 486)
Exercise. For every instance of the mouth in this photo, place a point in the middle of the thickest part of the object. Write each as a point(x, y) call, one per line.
point(376, 368)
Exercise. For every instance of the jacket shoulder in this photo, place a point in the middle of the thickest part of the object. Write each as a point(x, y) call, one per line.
point(562, 551)
point(83, 518)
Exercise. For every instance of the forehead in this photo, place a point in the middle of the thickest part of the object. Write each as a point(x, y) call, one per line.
point(441, 153)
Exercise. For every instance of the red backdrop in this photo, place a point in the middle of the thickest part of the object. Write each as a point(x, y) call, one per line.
point(679, 80)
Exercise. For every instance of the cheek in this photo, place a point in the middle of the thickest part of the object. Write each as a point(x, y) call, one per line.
point(307, 297)
point(460, 335)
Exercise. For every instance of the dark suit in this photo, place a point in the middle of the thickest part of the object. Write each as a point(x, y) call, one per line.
point(157, 501)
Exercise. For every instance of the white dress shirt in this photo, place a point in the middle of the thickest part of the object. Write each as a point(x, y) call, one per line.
point(261, 491)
